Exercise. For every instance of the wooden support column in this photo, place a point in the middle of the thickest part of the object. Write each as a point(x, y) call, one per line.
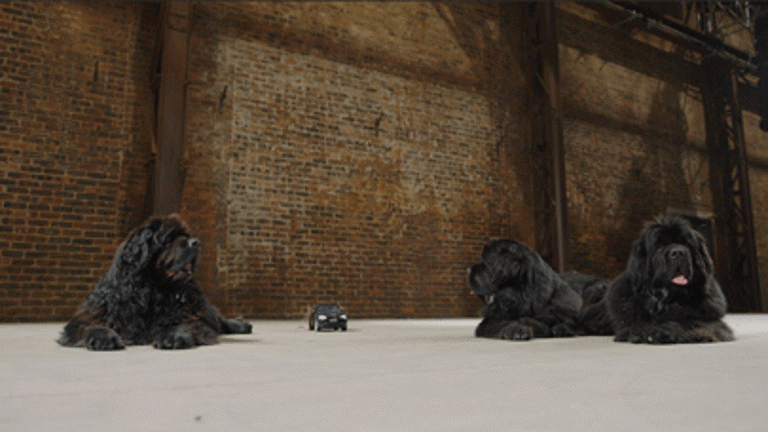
point(169, 175)
point(735, 250)
point(546, 133)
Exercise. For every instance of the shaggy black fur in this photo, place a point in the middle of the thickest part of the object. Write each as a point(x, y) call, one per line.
point(668, 293)
point(524, 298)
point(593, 317)
point(149, 296)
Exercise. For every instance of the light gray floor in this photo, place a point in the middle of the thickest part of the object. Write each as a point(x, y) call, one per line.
point(399, 375)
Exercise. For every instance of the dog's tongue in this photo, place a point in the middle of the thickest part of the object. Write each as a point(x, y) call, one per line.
point(680, 280)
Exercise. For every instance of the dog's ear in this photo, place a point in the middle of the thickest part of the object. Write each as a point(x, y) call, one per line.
point(134, 251)
point(161, 232)
point(639, 260)
point(703, 258)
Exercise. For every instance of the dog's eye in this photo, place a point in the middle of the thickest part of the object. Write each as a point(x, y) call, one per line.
point(179, 242)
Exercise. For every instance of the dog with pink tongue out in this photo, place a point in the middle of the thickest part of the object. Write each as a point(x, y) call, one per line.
point(668, 293)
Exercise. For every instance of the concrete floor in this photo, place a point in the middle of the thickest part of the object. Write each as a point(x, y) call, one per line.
point(399, 375)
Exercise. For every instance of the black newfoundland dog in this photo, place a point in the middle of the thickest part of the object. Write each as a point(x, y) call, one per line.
point(149, 296)
point(524, 298)
point(668, 293)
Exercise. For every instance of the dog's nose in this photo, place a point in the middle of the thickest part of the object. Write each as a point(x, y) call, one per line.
point(193, 243)
point(677, 252)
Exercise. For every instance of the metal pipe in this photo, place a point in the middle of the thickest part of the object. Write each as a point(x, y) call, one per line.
point(705, 46)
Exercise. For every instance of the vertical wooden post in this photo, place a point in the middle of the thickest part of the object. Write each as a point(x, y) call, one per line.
point(546, 133)
point(169, 176)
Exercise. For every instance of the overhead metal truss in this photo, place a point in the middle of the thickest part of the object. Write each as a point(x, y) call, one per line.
point(740, 16)
point(680, 33)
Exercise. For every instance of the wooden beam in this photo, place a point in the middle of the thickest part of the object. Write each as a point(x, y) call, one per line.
point(546, 133)
point(169, 175)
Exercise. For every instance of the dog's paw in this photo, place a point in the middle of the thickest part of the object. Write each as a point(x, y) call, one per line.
point(665, 333)
point(635, 335)
point(176, 339)
point(517, 332)
point(103, 339)
point(661, 335)
point(237, 326)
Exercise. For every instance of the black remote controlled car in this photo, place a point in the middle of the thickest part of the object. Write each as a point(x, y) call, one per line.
point(327, 316)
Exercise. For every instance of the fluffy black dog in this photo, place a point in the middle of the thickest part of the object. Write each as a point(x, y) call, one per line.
point(668, 293)
point(524, 298)
point(149, 296)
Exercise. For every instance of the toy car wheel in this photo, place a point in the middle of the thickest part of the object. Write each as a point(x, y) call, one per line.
point(311, 325)
point(344, 327)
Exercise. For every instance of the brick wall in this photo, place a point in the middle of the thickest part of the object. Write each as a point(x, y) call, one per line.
point(354, 185)
point(67, 123)
point(353, 152)
point(367, 175)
